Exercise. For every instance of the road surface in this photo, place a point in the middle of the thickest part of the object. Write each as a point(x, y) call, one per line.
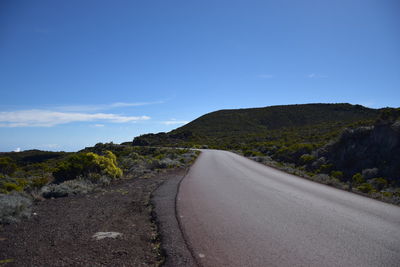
point(237, 212)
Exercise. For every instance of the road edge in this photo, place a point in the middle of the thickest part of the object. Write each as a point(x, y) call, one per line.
point(174, 247)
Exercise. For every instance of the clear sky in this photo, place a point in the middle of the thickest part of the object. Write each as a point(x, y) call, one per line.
point(74, 73)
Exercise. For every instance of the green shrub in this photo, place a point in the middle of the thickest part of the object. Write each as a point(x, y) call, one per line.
point(325, 168)
point(108, 164)
point(22, 182)
point(306, 159)
point(9, 187)
point(366, 188)
point(292, 153)
point(160, 156)
point(12, 184)
point(7, 166)
point(337, 175)
point(358, 179)
point(387, 194)
point(252, 153)
point(39, 182)
point(379, 183)
point(87, 164)
point(153, 164)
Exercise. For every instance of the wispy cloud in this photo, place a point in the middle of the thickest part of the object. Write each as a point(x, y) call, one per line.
point(173, 122)
point(98, 125)
point(49, 146)
point(88, 108)
point(265, 76)
point(48, 118)
point(316, 76)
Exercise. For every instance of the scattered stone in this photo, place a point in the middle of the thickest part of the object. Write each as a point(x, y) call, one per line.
point(102, 235)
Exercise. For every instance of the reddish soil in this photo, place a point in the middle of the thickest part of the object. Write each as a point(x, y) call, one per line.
point(61, 234)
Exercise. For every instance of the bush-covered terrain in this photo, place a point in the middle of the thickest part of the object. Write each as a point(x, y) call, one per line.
point(34, 175)
point(347, 146)
point(270, 127)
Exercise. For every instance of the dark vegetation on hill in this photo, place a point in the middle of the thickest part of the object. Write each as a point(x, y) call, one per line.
point(33, 175)
point(347, 146)
point(270, 126)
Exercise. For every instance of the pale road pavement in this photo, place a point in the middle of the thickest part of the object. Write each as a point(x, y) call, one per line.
point(237, 212)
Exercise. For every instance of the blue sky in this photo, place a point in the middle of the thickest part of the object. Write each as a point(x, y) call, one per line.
point(74, 73)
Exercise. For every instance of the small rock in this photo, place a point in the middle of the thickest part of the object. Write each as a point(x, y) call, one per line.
point(102, 235)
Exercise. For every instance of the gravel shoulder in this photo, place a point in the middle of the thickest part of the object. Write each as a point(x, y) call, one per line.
point(61, 231)
point(173, 243)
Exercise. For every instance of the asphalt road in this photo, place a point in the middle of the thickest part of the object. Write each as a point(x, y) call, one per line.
point(236, 212)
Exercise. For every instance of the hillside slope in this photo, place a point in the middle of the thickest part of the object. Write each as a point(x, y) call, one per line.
point(374, 150)
point(315, 123)
point(275, 117)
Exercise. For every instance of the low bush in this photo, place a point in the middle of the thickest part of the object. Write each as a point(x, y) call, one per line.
point(14, 207)
point(83, 164)
point(337, 175)
point(357, 179)
point(369, 173)
point(8, 185)
point(252, 153)
point(366, 188)
point(378, 183)
point(307, 159)
point(325, 168)
point(170, 163)
point(7, 165)
point(39, 182)
point(328, 180)
point(294, 152)
point(67, 188)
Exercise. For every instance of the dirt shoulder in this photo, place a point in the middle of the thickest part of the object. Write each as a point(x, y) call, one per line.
point(61, 232)
point(173, 244)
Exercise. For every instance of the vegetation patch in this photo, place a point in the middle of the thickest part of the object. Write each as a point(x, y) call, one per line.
point(34, 175)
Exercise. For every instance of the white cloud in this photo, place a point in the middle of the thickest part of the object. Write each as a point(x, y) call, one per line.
point(265, 76)
point(88, 108)
point(48, 118)
point(49, 146)
point(173, 122)
point(98, 125)
point(18, 149)
point(316, 76)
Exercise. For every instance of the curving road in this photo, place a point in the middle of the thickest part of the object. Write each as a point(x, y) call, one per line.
point(236, 212)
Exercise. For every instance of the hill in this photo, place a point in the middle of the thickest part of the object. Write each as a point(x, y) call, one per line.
point(237, 128)
point(347, 146)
